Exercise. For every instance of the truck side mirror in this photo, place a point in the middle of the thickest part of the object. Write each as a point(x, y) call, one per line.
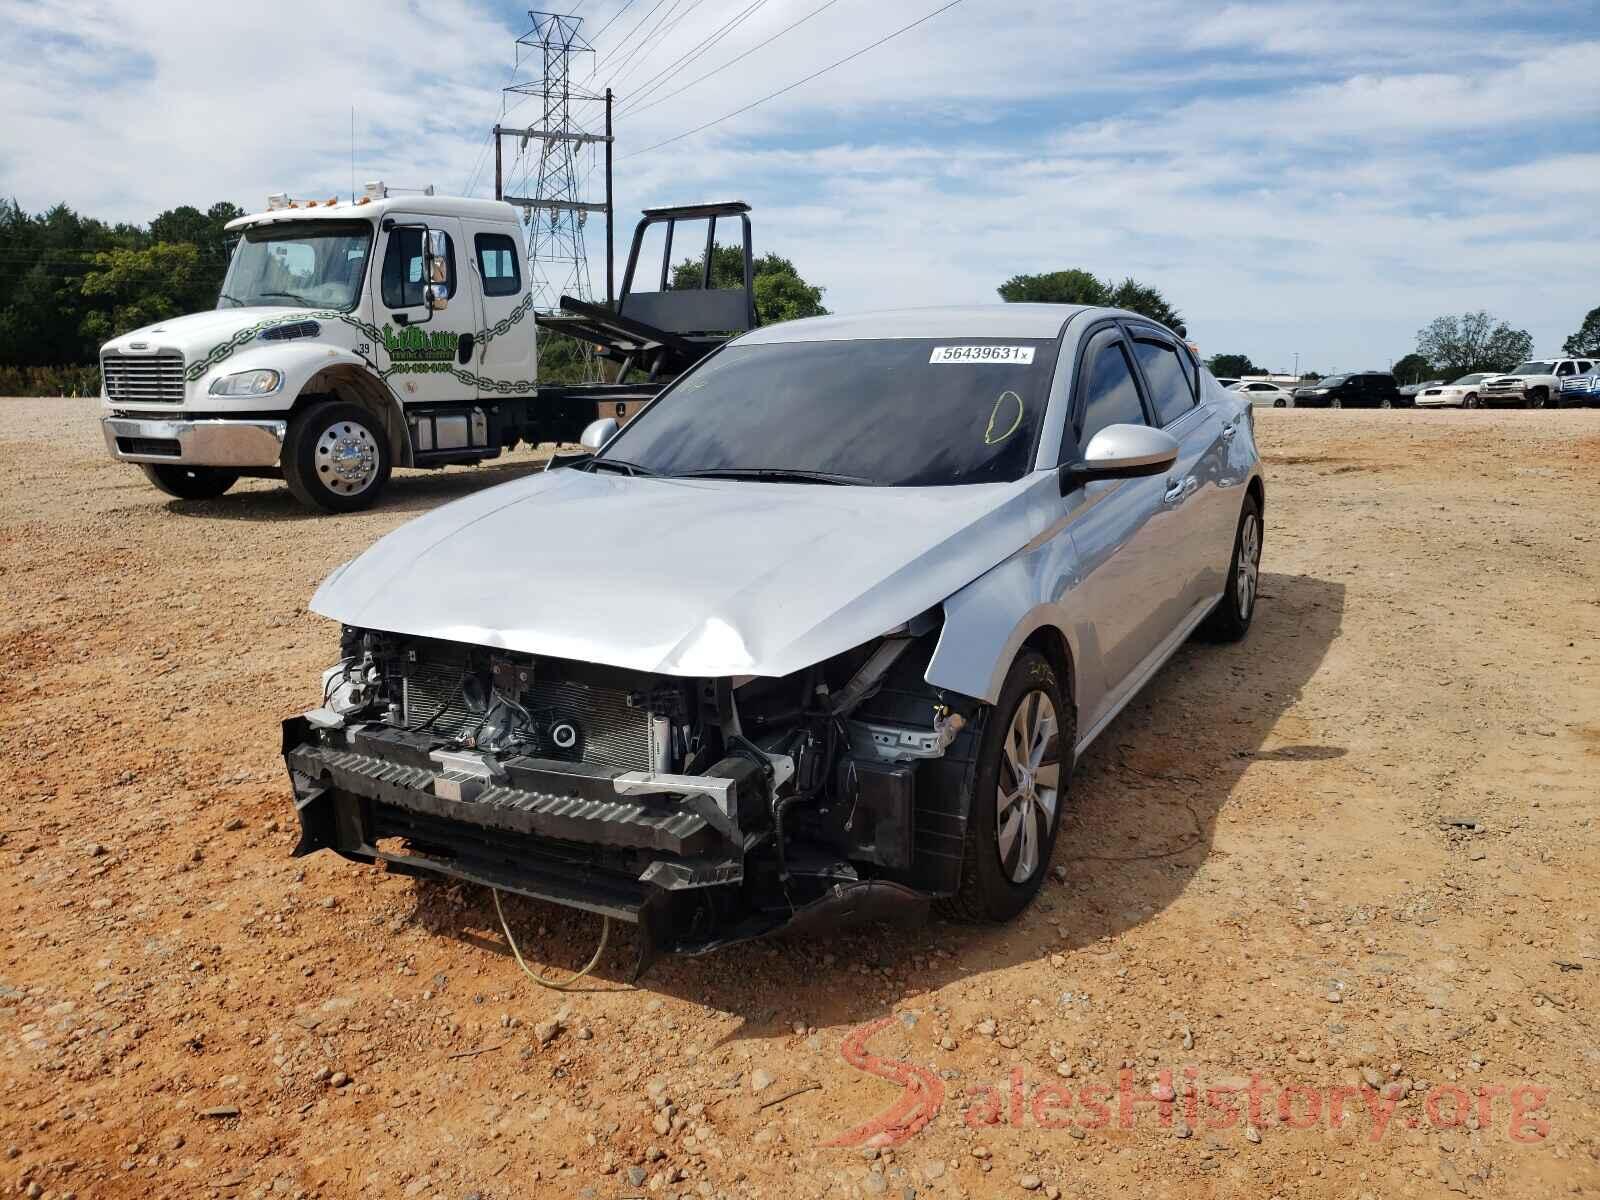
point(437, 296)
point(436, 253)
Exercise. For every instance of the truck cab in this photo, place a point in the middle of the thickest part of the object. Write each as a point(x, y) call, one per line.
point(392, 330)
point(348, 338)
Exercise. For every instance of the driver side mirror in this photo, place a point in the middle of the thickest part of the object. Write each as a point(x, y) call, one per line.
point(436, 269)
point(1121, 452)
point(598, 433)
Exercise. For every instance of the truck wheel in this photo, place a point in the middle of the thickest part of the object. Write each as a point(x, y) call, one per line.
point(189, 483)
point(1336, 403)
point(1019, 787)
point(336, 457)
point(1536, 398)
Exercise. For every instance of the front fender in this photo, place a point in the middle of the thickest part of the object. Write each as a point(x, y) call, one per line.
point(987, 621)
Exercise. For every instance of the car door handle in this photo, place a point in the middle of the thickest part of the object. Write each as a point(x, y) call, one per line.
point(1175, 491)
point(1229, 430)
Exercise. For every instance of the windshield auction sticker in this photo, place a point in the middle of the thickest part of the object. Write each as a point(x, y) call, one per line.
point(982, 354)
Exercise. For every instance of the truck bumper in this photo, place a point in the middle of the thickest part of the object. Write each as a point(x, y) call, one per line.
point(201, 443)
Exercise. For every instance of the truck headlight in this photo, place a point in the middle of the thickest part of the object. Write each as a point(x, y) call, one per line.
point(248, 383)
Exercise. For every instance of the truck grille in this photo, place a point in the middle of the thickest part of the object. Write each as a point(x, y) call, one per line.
point(144, 378)
point(605, 730)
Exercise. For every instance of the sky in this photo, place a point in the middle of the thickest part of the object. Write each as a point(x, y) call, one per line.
point(1306, 182)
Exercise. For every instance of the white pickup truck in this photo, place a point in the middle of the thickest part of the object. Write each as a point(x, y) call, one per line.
point(393, 330)
point(1533, 384)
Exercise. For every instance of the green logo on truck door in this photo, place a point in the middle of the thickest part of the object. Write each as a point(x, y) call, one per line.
point(412, 344)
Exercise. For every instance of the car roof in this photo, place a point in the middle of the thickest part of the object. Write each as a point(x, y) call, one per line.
point(959, 321)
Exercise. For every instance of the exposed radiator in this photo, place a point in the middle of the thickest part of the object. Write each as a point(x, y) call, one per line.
point(572, 722)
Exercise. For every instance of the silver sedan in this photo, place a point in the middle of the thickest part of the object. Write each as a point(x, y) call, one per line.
point(819, 633)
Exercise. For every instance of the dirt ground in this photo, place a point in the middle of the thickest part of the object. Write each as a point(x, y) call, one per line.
point(1351, 859)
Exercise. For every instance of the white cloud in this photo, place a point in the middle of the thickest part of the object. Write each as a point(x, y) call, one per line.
point(1314, 177)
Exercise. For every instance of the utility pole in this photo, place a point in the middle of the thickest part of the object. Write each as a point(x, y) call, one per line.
point(544, 179)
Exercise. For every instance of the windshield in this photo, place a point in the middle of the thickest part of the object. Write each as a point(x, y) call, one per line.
point(1534, 368)
point(308, 265)
point(1329, 381)
point(900, 412)
point(1469, 379)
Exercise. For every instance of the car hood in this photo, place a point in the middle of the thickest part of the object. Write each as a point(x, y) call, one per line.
point(683, 577)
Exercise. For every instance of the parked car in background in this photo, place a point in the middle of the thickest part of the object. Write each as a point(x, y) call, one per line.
point(1533, 384)
point(1582, 389)
point(1412, 389)
point(1463, 393)
point(1359, 389)
point(1263, 394)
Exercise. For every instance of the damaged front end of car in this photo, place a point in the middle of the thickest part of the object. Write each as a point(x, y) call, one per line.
point(705, 811)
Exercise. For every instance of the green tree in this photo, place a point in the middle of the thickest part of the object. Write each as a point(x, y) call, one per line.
point(1055, 287)
point(1586, 341)
point(1472, 342)
point(1413, 368)
point(1232, 366)
point(130, 288)
point(1080, 287)
point(781, 294)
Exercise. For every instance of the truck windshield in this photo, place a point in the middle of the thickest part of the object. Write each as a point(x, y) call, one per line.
point(898, 412)
point(314, 264)
point(1534, 368)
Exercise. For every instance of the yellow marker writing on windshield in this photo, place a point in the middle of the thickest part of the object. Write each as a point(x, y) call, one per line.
point(991, 435)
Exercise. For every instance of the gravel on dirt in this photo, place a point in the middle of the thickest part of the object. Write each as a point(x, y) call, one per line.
point(1385, 797)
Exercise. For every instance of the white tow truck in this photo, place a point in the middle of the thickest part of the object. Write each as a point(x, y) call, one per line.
point(350, 338)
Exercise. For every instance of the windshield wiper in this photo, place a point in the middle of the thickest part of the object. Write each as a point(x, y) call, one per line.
point(777, 475)
point(619, 464)
point(230, 296)
point(306, 300)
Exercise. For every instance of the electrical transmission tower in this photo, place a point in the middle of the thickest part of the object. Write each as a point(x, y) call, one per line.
point(547, 176)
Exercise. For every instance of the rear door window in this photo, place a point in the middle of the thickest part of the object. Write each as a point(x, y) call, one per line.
point(498, 264)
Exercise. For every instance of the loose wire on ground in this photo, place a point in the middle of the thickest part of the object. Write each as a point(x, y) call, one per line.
point(605, 935)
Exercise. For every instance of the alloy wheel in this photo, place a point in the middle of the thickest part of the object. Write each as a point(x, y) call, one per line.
point(1029, 786)
point(1249, 564)
point(347, 458)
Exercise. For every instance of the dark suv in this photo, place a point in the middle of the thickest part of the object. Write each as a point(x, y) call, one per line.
point(1360, 389)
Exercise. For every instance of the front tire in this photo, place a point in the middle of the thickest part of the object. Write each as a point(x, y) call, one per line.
point(1536, 398)
point(1280, 404)
point(1386, 403)
point(189, 483)
point(1336, 403)
point(1019, 787)
point(1230, 620)
point(1471, 401)
point(336, 457)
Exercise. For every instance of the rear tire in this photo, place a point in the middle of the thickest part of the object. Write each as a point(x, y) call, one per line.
point(1230, 619)
point(189, 483)
point(1280, 404)
point(1386, 403)
point(336, 457)
point(1019, 787)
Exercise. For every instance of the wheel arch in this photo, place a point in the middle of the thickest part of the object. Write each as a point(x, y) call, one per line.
point(354, 383)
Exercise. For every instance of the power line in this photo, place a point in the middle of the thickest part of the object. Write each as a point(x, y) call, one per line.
point(797, 83)
point(649, 42)
point(602, 60)
point(612, 22)
point(639, 108)
point(660, 78)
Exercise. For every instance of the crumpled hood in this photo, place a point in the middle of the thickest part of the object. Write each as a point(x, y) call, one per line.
point(683, 577)
point(198, 332)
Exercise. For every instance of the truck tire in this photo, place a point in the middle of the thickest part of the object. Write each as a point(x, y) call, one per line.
point(336, 457)
point(1005, 858)
point(1535, 398)
point(189, 483)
